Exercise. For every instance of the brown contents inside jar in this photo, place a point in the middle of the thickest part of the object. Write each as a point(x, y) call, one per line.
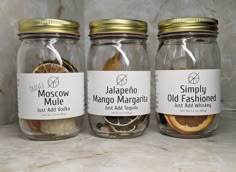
point(58, 127)
point(188, 125)
point(117, 124)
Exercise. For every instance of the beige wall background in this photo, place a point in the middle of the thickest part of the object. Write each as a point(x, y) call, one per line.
point(84, 11)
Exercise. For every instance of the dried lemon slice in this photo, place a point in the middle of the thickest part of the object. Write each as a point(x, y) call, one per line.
point(65, 63)
point(125, 129)
point(50, 68)
point(188, 125)
point(121, 121)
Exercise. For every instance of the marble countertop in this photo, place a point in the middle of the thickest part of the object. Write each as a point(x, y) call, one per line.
point(151, 152)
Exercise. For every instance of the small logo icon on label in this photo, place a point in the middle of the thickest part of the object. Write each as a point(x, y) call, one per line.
point(193, 78)
point(121, 79)
point(53, 82)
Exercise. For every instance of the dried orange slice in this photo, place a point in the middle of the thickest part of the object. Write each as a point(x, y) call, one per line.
point(188, 125)
point(33, 124)
point(50, 68)
point(168, 121)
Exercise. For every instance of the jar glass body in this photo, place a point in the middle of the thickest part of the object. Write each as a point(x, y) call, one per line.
point(196, 52)
point(50, 54)
point(118, 56)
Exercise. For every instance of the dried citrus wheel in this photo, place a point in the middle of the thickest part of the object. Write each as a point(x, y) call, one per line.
point(188, 125)
point(50, 68)
point(129, 128)
point(69, 66)
point(33, 124)
point(116, 123)
point(168, 121)
point(65, 63)
point(121, 121)
point(58, 126)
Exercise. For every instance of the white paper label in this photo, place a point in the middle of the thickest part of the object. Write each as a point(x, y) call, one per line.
point(188, 92)
point(119, 93)
point(50, 95)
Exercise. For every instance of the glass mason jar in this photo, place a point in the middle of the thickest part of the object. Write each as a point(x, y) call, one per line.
point(50, 79)
point(118, 78)
point(188, 77)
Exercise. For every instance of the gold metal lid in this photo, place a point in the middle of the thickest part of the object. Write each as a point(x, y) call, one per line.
point(188, 24)
point(118, 26)
point(45, 25)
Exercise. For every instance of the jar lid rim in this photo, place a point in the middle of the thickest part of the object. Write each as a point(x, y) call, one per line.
point(48, 25)
point(188, 24)
point(118, 25)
